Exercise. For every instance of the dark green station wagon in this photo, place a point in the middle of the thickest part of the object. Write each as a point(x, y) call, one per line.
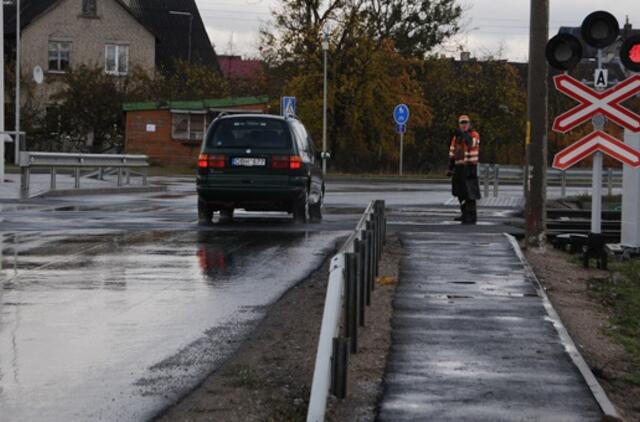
point(259, 162)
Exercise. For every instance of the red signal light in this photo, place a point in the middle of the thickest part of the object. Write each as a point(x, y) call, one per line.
point(630, 53)
point(634, 53)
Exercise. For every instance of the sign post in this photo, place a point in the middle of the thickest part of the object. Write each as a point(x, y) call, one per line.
point(401, 117)
point(596, 190)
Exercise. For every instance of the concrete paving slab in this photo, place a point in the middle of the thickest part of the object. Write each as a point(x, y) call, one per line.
point(473, 341)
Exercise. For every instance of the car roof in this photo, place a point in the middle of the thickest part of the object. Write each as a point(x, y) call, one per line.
point(257, 115)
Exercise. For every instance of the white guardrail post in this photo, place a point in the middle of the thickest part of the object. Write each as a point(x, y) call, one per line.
point(330, 326)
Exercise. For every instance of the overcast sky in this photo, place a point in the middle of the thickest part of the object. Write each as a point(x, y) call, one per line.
point(492, 26)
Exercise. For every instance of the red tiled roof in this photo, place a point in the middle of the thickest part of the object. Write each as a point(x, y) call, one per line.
point(234, 67)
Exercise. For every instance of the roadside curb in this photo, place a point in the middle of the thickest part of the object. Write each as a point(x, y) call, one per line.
point(598, 392)
point(100, 191)
point(397, 179)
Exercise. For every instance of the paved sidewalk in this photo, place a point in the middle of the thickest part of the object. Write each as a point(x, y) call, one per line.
point(472, 340)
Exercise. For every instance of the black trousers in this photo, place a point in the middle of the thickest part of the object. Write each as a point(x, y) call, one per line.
point(469, 209)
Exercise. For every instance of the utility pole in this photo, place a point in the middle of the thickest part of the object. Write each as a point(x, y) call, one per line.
point(1, 95)
point(537, 116)
point(16, 139)
point(325, 49)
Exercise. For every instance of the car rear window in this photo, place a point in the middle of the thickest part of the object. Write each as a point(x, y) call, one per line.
point(244, 132)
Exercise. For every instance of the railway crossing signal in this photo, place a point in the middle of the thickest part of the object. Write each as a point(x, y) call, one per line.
point(593, 102)
point(630, 53)
point(596, 141)
point(564, 52)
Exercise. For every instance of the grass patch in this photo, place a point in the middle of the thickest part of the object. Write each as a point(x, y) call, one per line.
point(243, 377)
point(620, 294)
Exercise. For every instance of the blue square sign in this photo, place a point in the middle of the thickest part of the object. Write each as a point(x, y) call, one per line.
point(288, 106)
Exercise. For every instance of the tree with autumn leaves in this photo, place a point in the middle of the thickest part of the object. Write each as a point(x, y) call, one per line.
point(379, 57)
point(368, 75)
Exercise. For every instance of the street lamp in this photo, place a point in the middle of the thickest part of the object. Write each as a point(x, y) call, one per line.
point(325, 48)
point(176, 12)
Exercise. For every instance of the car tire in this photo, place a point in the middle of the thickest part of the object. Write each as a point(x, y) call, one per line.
point(301, 209)
point(205, 213)
point(315, 211)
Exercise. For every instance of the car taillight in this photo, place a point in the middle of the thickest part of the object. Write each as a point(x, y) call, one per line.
point(216, 161)
point(290, 162)
point(280, 162)
point(295, 162)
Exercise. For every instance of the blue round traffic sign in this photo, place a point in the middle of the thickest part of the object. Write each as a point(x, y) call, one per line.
point(401, 114)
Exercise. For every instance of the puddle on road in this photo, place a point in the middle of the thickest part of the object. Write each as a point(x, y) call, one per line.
point(120, 331)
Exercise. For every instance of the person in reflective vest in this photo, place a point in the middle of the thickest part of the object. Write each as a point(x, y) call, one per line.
point(464, 152)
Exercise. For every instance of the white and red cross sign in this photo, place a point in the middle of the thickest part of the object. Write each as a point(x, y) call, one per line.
point(596, 141)
point(592, 102)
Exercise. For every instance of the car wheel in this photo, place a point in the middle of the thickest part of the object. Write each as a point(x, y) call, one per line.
point(315, 211)
point(301, 209)
point(205, 213)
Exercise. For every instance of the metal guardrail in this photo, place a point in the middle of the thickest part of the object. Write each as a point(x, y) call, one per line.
point(121, 165)
point(352, 278)
point(494, 174)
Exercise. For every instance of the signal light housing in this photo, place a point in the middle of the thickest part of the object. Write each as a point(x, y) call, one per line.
point(600, 29)
point(630, 53)
point(563, 51)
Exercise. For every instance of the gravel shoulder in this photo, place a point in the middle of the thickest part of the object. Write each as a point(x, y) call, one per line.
point(269, 378)
point(587, 320)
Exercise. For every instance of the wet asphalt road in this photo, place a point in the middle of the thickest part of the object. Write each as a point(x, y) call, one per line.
point(113, 307)
point(472, 340)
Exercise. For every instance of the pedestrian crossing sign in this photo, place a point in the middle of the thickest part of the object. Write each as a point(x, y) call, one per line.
point(288, 106)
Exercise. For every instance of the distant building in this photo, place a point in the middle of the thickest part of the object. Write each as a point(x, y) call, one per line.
point(235, 67)
point(181, 34)
point(118, 35)
point(58, 35)
point(172, 133)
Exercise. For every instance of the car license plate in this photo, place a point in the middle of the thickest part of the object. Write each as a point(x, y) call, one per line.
point(248, 162)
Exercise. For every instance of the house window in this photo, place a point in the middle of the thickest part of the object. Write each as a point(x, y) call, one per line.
point(89, 8)
point(116, 59)
point(59, 56)
point(188, 126)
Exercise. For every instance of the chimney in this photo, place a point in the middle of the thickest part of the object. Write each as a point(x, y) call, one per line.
point(465, 56)
point(626, 30)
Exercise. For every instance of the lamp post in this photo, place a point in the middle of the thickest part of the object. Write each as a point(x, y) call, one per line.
point(176, 12)
point(325, 49)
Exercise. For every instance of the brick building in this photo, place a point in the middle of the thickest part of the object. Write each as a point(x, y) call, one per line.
point(171, 133)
